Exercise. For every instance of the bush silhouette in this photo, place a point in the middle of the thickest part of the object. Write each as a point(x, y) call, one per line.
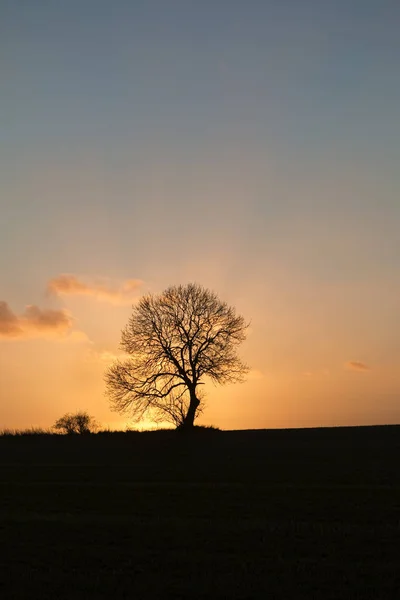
point(76, 423)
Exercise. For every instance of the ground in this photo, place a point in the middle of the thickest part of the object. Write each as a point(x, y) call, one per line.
point(229, 515)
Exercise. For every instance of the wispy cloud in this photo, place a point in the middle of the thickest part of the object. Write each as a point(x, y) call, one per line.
point(33, 322)
point(104, 356)
point(77, 337)
point(356, 365)
point(100, 289)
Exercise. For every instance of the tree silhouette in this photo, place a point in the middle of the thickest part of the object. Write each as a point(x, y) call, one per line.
point(175, 341)
point(80, 422)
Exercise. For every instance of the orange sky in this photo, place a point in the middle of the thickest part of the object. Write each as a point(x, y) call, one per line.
point(305, 372)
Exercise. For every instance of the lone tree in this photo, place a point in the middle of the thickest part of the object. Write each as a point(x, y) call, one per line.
point(80, 422)
point(175, 341)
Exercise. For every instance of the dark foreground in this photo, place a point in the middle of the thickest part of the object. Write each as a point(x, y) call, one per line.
point(252, 514)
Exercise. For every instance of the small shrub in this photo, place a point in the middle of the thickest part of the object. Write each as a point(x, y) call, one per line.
point(76, 423)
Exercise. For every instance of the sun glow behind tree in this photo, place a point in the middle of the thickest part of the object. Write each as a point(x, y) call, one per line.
point(176, 341)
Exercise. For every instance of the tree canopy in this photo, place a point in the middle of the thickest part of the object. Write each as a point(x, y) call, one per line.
point(174, 342)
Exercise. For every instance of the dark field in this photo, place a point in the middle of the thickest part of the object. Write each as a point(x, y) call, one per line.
point(269, 514)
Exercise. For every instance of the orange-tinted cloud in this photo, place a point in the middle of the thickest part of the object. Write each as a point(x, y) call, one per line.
point(71, 285)
point(355, 365)
point(77, 337)
point(103, 356)
point(34, 322)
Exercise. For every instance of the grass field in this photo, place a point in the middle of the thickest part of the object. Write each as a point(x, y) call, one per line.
point(247, 514)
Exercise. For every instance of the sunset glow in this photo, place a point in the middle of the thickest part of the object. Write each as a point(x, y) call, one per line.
point(256, 155)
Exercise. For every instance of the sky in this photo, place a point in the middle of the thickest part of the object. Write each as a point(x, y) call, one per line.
point(252, 147)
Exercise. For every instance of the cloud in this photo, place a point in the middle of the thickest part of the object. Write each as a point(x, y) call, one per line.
point(77, 337)
point(34, 322)
point(355, 365)
point(101, 289)
point(104, 356)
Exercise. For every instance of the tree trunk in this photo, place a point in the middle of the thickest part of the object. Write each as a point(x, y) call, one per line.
point(191, 413)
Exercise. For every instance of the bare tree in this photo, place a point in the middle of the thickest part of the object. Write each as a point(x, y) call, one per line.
point(175, 341)
point(79, 422)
